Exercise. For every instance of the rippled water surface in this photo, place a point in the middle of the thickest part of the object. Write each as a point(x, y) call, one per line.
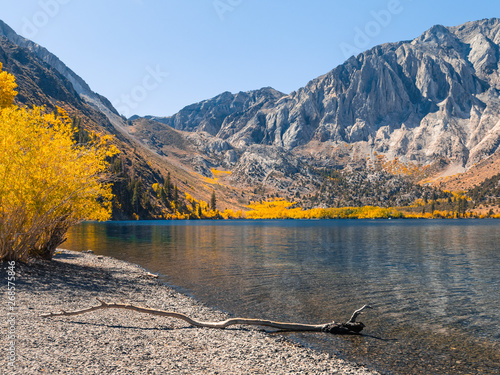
point(434, 285)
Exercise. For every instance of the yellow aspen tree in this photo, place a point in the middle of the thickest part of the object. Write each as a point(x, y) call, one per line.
point(7, 88)
point(48, 182)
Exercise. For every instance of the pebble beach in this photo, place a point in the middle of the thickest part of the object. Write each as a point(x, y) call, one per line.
point(114, 341)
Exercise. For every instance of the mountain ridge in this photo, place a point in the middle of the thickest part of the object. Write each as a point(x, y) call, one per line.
point(135, 170)
point(444, 76)
point(430, 106)
point(431, 103)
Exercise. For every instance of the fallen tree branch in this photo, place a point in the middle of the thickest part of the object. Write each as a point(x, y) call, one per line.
point(356, 313)
point(350, 327)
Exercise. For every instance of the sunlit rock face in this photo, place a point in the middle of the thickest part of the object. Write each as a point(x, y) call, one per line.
point(436, 96)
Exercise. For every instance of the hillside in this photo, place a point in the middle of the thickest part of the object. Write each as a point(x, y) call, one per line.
point(44, 80)
point(430, 105)
point(389, 126)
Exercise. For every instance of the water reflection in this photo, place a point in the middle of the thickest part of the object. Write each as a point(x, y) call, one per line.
point(434, 284)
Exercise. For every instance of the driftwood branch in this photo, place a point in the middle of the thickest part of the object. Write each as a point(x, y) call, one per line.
point(356, 313)
point(350, 327)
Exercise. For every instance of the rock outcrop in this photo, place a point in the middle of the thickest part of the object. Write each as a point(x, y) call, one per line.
point(435, 97)
point(433, 101)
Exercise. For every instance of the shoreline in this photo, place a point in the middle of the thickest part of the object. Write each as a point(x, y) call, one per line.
point(125, 342)
point(300, 219)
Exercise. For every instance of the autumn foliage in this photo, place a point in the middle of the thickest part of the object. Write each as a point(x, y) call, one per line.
point(48, 182)
point(282, 209)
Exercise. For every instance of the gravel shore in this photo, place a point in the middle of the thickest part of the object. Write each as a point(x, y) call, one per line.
point(115, 341)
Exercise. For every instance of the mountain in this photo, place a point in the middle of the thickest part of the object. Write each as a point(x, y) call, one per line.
point(435, 96)
point(387, 127)
point(43, 79)
point(212, 115)
point(432, 103)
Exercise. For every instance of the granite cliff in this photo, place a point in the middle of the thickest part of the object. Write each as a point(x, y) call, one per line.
point(431, 103)
point(398, 113)
point(437, 96)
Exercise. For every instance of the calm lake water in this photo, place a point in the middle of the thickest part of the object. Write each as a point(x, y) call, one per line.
point(434, 285)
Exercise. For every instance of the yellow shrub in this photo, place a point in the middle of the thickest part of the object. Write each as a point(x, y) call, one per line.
point(47, 181)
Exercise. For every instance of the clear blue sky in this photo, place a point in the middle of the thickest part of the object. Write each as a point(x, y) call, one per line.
point(165, 54)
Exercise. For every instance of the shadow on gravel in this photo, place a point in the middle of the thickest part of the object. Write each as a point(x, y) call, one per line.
point(66, 256)
point(378, 338)
point(127, 327)
point(40, 275)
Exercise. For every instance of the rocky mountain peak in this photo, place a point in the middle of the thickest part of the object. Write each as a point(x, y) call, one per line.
point(438, 36)
point(433, 97)
point(211, 115)
point(434, 100)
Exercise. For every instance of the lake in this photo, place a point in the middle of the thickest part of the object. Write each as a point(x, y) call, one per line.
point(434, 284)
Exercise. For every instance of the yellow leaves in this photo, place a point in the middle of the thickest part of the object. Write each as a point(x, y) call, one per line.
point(176, 216)
point(282, 209)
point(112, 150)
point(208, 180)
point(210, 214)
point(216, 173)
point(398, 167)
point(275, 209)
point(458, 194)
point(47, 181)
point(7, 88)
point(63, 115)
point(198, 209)
point(231, 214)
point(427, 215)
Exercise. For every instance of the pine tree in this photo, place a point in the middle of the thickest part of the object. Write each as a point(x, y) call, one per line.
point(465, 205)
point(168, 187)
point(176, 194)
point(162, 195)
point(213, 201)
point(136, 186)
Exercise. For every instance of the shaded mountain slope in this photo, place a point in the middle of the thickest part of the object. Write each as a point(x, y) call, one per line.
point(135, 170)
